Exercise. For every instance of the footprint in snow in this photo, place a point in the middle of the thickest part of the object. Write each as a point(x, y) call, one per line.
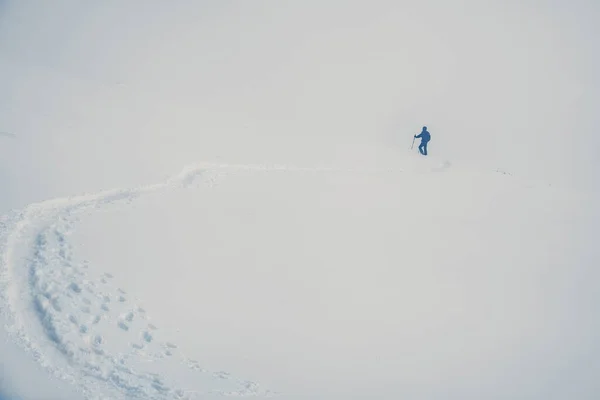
point(106, 277)
point(75, 287)
point(128, 317)
point(99, 352)
point(195, 366)
point(168, 349)
point(56, 304)
point(222, 375)
point(147, 336)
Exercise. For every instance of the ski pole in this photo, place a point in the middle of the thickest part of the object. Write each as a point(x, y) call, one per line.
point(413, 143)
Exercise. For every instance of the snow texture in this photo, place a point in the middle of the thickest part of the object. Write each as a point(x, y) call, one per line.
point(92, 333)
point(72, 309)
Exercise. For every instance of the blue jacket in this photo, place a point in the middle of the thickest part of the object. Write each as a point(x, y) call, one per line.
point(425, 136)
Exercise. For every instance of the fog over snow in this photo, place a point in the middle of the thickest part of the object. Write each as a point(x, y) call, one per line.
point(208, 199)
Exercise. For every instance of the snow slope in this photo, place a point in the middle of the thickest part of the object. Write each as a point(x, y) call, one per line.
point(308, 282)
point(58, 292)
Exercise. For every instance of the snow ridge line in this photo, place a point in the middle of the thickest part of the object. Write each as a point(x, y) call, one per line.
point(281, 167)
point(31, 228)
point(189, 173)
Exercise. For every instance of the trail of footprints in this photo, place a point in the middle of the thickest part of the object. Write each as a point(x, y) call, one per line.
point(98, 301)
point(75, 309)
point(114, 308)
point(73, 316)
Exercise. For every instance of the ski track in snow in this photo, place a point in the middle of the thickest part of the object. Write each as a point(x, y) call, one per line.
point(72, 308)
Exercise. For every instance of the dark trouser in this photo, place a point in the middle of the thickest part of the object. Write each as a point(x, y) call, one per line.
point(423, 148)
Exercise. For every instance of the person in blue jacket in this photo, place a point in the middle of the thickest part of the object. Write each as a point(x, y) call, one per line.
point(425, 137)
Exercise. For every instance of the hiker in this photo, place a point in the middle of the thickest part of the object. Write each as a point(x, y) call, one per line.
point(425, 138)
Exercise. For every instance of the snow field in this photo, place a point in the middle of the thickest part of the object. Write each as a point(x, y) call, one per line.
point(307, 282)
